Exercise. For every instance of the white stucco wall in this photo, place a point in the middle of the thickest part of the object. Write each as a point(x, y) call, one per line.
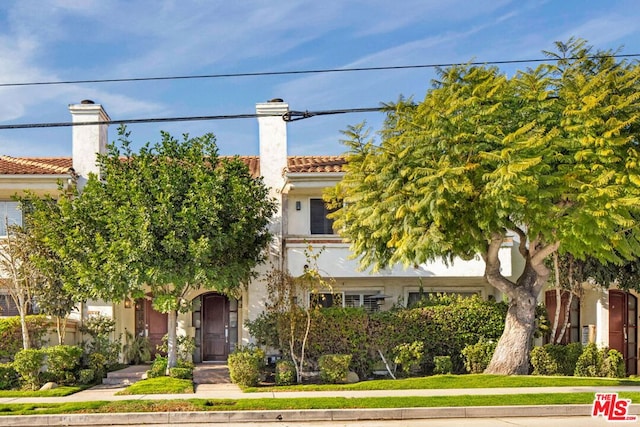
point(335, 260)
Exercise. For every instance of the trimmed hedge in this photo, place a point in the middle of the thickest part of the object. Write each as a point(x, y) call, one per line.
point(445, 325)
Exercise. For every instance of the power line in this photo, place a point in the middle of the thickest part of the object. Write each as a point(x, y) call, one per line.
point(294, 72)
point(290, 116)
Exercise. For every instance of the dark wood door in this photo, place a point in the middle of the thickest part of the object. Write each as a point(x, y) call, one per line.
point(155, 325)
point(623, 327)
point(215, 315)
point(617, 315)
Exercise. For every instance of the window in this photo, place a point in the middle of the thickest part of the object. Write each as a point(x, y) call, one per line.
point(368, 301)
point(320, 224)
point(11, 214)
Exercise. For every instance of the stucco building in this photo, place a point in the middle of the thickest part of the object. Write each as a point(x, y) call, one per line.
point(297, 184)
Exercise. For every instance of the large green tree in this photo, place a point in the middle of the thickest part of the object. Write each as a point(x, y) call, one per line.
point(170, 219)
point(549, 156)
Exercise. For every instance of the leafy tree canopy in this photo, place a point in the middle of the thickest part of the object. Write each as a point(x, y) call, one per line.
point(549, 155)
point(173, 217)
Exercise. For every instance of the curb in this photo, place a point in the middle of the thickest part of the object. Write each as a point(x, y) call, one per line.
point(169, 418)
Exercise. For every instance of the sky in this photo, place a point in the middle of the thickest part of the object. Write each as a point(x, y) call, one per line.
point(70, 40)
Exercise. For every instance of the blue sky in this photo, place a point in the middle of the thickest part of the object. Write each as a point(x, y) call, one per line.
point(61, 40)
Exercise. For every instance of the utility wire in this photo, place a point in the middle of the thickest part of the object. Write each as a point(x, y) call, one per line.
point(294, 72)
point(290, 116)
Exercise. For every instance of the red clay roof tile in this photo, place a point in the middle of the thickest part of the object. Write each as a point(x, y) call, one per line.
point(60, 165)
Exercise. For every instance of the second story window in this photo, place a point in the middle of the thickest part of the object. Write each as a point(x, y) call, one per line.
point(320, 224)
point(10, 214)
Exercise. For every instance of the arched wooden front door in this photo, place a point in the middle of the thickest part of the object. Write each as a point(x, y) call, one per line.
point(215, 327)
point(623, 326)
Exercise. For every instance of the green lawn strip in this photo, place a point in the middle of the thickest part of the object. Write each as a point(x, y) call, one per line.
point(159, 385)
point(56, 392)
point(304, 403)
point(457, 382)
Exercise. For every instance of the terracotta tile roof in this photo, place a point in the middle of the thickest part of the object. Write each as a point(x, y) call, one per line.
point(34, 165)
point(310, 164)
point(60, 165)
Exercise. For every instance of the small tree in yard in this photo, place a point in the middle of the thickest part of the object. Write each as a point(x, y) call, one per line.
point(170, 219)
point(21, 276)
point(292, 313)
point(549, 156)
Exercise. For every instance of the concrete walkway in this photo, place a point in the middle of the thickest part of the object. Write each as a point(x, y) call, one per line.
point(212, 382)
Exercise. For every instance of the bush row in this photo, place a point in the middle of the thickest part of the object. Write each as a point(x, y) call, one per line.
point(573, 359)
point(413, 338)
point(31, 368)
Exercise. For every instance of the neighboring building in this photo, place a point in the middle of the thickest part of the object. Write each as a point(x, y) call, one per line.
point(297, 183)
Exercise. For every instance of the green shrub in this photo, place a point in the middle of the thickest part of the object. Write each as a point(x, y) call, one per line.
point(137, 350)
point(100, 328)
point(28, 364)
point(445, 324)
point(11, 334)
point(63, 361)
point(543, 362)
point(443, 365)
point(97, 362)
point(158, 367)
point(181, 373)
point(409, 356)
point(590, 362)
point(285, 372)
point(86, 376)
point(246, 365)
point(613, 365)
point(602, 362)
point(334, 368)
point(478, 356)
point(9, 378)
point(555, 359)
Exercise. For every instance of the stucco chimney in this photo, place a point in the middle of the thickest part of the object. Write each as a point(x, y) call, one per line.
point(87, 140)
point(273, 143)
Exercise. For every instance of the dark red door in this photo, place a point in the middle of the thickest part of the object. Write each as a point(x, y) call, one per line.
point(150, 323)
point(623, 327)
point(215, 315)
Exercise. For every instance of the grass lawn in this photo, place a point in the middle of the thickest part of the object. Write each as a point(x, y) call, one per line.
point(459, 381)
point(159, 385)
point(56, 392)
point(167, 385)
point(302, 403)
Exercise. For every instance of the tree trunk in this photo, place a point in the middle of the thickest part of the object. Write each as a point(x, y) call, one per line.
point(22, 309)
point(511, 356)
point(172, 340)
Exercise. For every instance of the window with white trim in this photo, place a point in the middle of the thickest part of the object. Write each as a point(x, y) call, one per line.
point(358, 299)
point(10, 214)
point(319, 222)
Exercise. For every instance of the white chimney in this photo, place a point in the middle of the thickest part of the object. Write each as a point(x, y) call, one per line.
point(88, 140)
point(273, 143)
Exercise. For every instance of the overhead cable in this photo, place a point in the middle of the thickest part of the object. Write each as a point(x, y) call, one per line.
point(288, 117)
point(294, 72)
